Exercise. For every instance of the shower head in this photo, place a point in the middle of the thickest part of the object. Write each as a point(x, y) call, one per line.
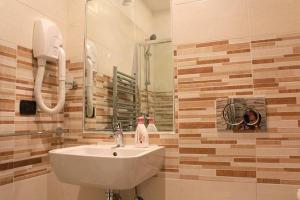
point(152, 37)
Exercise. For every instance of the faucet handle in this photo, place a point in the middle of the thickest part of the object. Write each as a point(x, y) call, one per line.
point(117, 126)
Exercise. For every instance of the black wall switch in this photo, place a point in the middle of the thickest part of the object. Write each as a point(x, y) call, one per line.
point(27, 107)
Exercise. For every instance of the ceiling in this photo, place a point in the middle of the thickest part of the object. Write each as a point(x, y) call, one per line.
point(158, 5)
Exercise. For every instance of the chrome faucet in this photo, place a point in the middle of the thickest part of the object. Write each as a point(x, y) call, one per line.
point(118, 135)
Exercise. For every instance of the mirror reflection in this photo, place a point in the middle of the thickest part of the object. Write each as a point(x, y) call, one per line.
point(128, 65)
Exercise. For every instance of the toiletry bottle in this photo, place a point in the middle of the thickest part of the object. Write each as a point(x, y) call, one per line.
point(141, 134)
point(151, 127)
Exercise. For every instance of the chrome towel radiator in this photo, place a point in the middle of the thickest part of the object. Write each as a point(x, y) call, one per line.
point(125, 100)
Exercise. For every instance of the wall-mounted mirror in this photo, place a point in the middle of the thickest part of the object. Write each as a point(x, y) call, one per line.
point(128, 65)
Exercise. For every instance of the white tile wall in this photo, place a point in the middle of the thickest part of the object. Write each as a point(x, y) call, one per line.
point(7, 192)
point(17, 18)
point(207, 20)
point(276, 192)
point(210, 20)
point(274, 16)
point(76, 28)
point(33, 189)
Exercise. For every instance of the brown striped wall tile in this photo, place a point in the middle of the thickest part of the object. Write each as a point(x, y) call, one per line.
point(197, 150)
point(17, 152)
point(211, 44)
point(236, 173)
point(199, 70)
point(243, 69)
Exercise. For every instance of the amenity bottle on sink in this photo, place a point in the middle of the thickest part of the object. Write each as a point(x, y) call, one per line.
point(151, 127)
point(141, 134)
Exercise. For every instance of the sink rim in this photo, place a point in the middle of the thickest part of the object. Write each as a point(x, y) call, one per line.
point(106, 172)
point(68, 151)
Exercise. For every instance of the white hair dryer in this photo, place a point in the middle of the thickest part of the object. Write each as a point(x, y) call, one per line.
point(47, 46)
point(91, 68)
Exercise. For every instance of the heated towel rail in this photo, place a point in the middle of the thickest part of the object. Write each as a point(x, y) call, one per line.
point(125, 101)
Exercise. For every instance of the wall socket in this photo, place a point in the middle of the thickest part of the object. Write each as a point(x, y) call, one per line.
point(27, 107)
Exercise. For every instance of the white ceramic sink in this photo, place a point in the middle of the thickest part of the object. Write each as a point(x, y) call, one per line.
point(106, 167)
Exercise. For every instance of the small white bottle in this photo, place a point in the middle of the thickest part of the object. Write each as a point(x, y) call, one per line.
point(151, 127)
point(141, 134)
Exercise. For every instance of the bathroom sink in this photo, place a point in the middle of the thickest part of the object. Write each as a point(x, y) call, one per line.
point(106, 167)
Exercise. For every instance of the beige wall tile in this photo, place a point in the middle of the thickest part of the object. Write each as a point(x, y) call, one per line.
point(33, 189)
point(274, 16)
point(17, 20)
point(61, 191)
point(55, 9)
point(161, 189)
point(75, 29)
point(7, 192)
point(222, 170)
point(199, 21)
point(276, 192)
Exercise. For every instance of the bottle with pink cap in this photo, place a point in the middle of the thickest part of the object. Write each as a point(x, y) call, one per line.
point(151, 127)
point(141, 134)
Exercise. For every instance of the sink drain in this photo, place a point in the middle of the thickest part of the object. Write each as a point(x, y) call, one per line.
point(115, 153)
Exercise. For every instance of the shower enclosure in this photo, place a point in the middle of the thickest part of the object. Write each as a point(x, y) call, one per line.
point(156, 82)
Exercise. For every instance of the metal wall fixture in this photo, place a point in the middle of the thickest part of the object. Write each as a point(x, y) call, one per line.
point(247, 116)
point(72, 85)
point(241, 114)
point(125, 101)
